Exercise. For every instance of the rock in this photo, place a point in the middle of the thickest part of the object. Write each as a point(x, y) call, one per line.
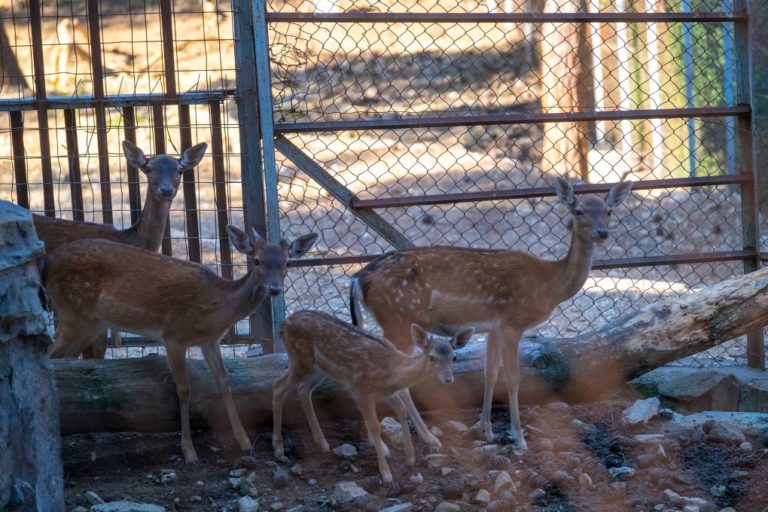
point(537, 494)
point(370, 483)
point(168, 476)
point(503, 481)
point(276, 506)
point(297, 470)
point(392, 431)
point(685, 501)
point(346, 451)
point(485, 452)
point(723, 432)
point(456, 426)
point(691, 508)
point(247, 504)
point(436, 431)
point(718, 491)
point(236, 473)
point(446, 471)
point(585, 481)
point(79, 509)
point(345, 492)
point(400, 507)
point(417, 478)
point(482, 498)
point(235, 482)
point(126, 506)
point(545, 445)
point(447, 506)
point(641, 411)
point(280, 478)
point(93, 498)
point(436, 460)
point(746, 446)
point(453, 489)
point(622, 472)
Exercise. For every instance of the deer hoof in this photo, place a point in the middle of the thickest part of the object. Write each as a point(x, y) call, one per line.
point(484, 430)
point(193, 464)
point(517, 440)
point(324, 446)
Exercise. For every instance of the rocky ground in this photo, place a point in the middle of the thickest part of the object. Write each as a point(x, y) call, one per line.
point(604, 456)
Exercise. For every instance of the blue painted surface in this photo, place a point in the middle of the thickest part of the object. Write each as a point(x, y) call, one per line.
point(688, 71)
point(729, 82)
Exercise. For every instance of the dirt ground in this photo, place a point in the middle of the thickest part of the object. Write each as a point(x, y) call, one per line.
point(572, 451)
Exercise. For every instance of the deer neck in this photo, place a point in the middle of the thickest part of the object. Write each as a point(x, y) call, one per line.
point(243, 296)
point(148, 230)
point(411, 369)
point(574, 268)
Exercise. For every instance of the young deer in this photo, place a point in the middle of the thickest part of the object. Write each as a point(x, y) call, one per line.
point(163, 178)
point(367, 367)
point(502, 293)
point(98, 284)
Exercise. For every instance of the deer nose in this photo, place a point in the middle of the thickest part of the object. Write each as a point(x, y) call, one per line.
point(166, 192)
point(447, 379)
point(601, 233)
point(275, 289)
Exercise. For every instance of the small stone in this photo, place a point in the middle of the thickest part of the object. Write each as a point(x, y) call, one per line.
point(370, 483)
point(126, 506)
point(276, 506)
point(537, 494)
point(247, 504)
point(436, 431)
point(746, 446)
point(400, 507)
point(545, 445)
point(249, 462)
point(252, 477)
point(446, 471)
point(235, 482)
point(297, 470)
point(347, 491)
point(641, 411)
point(482, 498)
point(621, 472)
point(195, 498)
point(456, 426)
point(503, 481)
point(280, 478)
point(718, 491)
point(417, 478)
point(436, 460)
point(453, 489)
point(447, 506)
point(93, 498)
point(167, 477)
point(728, 509)
point(723, 432)
point(79, 509)
point(312, 482)
point(484, 452)
point(392, 431)
point(296, 508)
point(200, 483)
point(585, 481)
point(346, 451)
point(236, 473)
point(691, 508)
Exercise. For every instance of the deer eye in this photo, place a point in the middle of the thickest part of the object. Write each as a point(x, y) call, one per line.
point(609, 213)
point(432, 357)
point(578, 213)
point(454, 358)
point(257, 262)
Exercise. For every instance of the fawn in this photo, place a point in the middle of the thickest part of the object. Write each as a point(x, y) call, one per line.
point(95, 284)
point(164, 175)
point(366, 366)
point(499, 292)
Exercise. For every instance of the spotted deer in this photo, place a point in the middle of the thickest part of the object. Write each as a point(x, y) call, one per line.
point(98, 284)
point(498, 292)
point(164, 175)
point(369, 368)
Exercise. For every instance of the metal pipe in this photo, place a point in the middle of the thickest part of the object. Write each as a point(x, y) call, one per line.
point(518, 17)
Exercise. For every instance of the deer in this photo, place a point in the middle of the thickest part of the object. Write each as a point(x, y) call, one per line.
point(369, 368)
point(498, 292)
point(164, 174)
point(95, 284)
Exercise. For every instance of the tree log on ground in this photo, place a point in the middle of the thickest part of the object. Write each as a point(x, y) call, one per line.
point(138, 394)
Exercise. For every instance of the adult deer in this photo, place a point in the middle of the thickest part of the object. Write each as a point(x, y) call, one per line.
point(164, 175)
point(95, 284)
point(502, 293)
point(368, 367)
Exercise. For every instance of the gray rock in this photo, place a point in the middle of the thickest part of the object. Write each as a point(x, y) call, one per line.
point(93, 498)
point(347, 491)
point(503, 481)
point(247, 504)
point(236, 473)
point(392, 431)
point(79, 509)
point(346, 451)
point(436, 460)
point(641, 411)
point(400, 507)
point(447, 506)
point(126, 506)
point(280, 478)
point(724, 432)
point(456, 426)
point(717, 491)
point(622, 473)
point(482, 498)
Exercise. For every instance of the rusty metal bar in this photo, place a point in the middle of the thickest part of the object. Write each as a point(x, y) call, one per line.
point(190, 192)
point(134, 187)
point(19, 163)
point(649, 261)
point(158, 121)
point(73, 159)
point(220, 189)
point(36, 28)
point(534, 192)
point(509, 118)
point(116, 100)
point(166, 21)
point(517, 17)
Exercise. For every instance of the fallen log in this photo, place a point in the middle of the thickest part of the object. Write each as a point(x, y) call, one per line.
point(138, 394)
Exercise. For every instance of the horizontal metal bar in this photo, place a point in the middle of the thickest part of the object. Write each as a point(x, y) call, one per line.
point(532, 192)
point(509, 118)
point(118, 100)
point(517, 17)
point(648, 261)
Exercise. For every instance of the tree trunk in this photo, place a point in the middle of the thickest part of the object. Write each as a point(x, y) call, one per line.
point(12, 81)
point(138, 394)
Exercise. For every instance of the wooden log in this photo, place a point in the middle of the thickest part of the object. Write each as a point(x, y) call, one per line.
point(138, 394)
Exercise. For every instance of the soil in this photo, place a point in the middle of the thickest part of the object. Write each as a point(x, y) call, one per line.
point(566, 443)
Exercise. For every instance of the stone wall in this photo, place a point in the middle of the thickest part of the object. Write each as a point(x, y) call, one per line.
point(31, 476)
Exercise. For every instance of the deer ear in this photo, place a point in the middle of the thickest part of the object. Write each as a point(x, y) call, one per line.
point(301, 245)
point(192, 156)
point(134, 155)
point(239, 239)
point(564, 191)
point(462, 337)
point(618, 194)
point(420, 336)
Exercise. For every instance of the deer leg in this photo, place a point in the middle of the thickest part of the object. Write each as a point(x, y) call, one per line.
point(402, 414)
point(280, 390)
point(367, 406)
point(213, 359)
point(512, 371)
point(492, 363)
point(72, 338)
point(305, 389)
point(421, 428)
point(178, 366)
point(98, 348)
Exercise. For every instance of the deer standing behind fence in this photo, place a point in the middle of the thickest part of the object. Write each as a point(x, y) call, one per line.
point(164, 175)
point(366, 366)
point(98, 284)
point(499, 292)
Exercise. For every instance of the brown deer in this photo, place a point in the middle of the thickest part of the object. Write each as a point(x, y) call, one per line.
point(164, 175)
point(368, 367)
point(98, 284)
point(499, 292)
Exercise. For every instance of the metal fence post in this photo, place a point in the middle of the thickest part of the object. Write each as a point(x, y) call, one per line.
point(254, 212)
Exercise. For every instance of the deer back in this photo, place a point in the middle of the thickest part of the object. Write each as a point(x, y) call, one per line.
point(56, 232)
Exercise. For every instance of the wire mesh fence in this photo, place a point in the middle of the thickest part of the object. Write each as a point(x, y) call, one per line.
point(456, 116)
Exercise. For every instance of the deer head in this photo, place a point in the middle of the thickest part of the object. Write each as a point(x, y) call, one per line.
point(440, 352)
point(163, 172)
point(592, 214)
point(268, 261)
